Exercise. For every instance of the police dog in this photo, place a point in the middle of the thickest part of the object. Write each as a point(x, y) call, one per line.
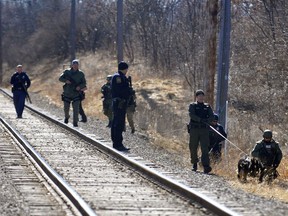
point(248, 167)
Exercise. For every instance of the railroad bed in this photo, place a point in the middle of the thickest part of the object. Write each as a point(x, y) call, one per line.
point(28, 183)
point(108, 186)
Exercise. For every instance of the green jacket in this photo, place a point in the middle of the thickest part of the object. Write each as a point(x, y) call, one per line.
point(77, 79)
point(107, 96)
point(200, 113)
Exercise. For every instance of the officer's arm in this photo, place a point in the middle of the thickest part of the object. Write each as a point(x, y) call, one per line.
point(192, 113)
point(28, 82)
point(83, 84)
point(222, 131)
point(279, 155)
point(12, 80)
point(63, 77)
point(103, 89)
point(255, 151)
point(210, 115)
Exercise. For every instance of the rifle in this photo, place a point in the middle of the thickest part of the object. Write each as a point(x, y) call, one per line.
point(81, 93)
point(130, 81)
point(27, 94)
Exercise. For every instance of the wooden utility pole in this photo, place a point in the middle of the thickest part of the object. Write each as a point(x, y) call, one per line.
point(212, 7)
point(1, 58)
point(120, 30)
point(73, 30)
point(223, 61)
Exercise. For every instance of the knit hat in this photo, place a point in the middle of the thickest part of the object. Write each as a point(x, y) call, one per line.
point(199, 92)
point(75, 61)
point(122, 65)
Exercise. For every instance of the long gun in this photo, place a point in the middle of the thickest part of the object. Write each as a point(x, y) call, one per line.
point(130, 81)
point(27, 94)
point(132, 93)
point(81, 93)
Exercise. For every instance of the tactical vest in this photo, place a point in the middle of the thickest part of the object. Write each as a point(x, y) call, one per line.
point(268, 152)
point(201, 110)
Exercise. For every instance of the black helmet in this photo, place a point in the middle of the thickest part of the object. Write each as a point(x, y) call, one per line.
point(216, 117)
point(122, 65)
point(267, 134)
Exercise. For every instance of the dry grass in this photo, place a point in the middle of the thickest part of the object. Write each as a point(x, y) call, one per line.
point(170, 96)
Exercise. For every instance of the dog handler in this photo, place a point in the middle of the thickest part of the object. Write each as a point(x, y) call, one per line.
point(267, 151)
point(201, 114)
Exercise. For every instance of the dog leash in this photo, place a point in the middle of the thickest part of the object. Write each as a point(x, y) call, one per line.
point(226, 139)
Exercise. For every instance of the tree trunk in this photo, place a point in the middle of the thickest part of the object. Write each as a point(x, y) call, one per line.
point(212, 7)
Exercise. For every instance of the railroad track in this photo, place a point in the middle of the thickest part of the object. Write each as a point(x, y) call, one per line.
point(107, 182)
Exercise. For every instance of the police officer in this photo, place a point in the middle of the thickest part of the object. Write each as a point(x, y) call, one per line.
point(20, 83)
point(75, 84)
point(107, 100)
point(216, 139)
point(120, 95)
point(131, 107)
point(201, 115)
point(267, 151)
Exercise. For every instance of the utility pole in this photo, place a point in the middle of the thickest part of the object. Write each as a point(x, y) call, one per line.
point(120, 30)
point(1, 58)
point(223, 61)
point(73, 30)
point(211, 53)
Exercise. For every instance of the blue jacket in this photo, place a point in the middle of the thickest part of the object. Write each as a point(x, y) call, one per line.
point(120, 86)
point(19, 81)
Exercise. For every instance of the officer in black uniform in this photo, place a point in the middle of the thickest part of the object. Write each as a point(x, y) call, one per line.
point(120, 94)
point(268, 152)
point(216, 139)
point(20, 83)
point(201, 114)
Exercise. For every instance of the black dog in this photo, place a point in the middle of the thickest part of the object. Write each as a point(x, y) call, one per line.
point(248, 167)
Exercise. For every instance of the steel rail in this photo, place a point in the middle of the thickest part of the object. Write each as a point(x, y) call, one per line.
point(145, 171)
point(59, 182)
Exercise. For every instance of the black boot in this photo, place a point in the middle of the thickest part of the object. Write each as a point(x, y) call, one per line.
point(207, 169)
point(109, 124)
point(194, 167)
point(84, 119)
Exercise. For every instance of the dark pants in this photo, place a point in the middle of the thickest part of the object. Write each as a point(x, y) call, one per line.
point(75, 105)
point(19, 101)
point(118, 125)
point(82, 113)
point(199, 135)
